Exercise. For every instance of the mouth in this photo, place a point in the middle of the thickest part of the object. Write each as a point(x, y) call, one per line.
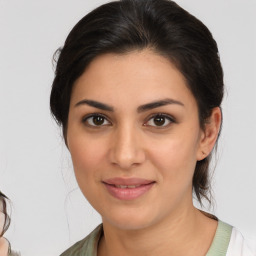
point(128, 189)
point(125, 186)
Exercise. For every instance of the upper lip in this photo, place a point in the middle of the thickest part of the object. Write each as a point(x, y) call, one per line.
point(127, 181)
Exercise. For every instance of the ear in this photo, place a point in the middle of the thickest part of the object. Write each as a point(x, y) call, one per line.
point(210, 134)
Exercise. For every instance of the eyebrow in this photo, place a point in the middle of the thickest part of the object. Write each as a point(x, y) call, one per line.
point(142, 108)
point(95, 104)
point(157, 104)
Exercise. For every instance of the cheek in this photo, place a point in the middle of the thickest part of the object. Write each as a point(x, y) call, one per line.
point(175, 158)
point(86, 156)
point(175, 164)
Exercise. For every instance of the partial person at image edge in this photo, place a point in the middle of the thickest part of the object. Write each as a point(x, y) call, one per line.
point(5, 246)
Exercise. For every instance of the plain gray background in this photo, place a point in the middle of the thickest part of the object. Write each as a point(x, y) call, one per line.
point(48, 211)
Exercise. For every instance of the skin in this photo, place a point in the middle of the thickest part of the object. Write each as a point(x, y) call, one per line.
point(3, 242)
point(130, 143)
point(3, 246)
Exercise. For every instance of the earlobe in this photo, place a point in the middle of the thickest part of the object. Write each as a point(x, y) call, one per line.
point(210, 134)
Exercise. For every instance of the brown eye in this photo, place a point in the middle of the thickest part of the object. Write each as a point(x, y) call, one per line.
point(96, 120)
point(160, 121)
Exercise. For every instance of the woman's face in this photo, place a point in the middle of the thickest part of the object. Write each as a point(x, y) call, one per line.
point(134, 137)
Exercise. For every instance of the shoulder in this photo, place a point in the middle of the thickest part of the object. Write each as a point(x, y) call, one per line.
point(87, 246)
point(240, 245)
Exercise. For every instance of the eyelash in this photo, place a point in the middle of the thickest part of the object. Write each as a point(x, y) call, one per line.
point(95, 115)
point(166, 117)
point(170, 119)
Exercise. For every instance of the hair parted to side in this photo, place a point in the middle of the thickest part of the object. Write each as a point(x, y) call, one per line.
point(3, 209)
point(160, 25)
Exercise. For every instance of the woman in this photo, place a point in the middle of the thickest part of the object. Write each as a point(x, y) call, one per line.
point(4, 224)
point(137, 91)
point(5, 248)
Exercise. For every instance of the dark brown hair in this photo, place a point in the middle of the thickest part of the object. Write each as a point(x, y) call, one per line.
point(3, 209)
point(127, 25)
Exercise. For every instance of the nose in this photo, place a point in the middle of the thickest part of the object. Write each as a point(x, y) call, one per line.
point(127, 148)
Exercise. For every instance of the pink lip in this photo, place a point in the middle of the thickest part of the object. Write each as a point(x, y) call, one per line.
point(141, 187)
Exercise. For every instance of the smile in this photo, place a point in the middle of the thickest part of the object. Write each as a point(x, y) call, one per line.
point(125, 186)
point(128, 189)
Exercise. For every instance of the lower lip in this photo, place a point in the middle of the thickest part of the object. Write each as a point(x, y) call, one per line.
point(128, 193)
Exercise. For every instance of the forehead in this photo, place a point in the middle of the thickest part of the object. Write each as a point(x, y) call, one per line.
point(143, 75)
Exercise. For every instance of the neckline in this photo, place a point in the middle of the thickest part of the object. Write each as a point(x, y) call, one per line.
point(221, 240)
point(218, 247)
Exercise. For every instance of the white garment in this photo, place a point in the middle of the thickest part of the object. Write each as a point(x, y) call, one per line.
point(241, 246)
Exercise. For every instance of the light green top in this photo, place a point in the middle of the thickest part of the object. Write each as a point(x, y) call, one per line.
point(88, 246)
point(221, 240)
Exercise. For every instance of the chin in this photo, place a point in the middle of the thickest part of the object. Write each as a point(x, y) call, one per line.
point(130, 220)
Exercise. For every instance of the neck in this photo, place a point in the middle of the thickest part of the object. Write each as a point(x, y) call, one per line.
point(186, 232)
point(4, 245)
